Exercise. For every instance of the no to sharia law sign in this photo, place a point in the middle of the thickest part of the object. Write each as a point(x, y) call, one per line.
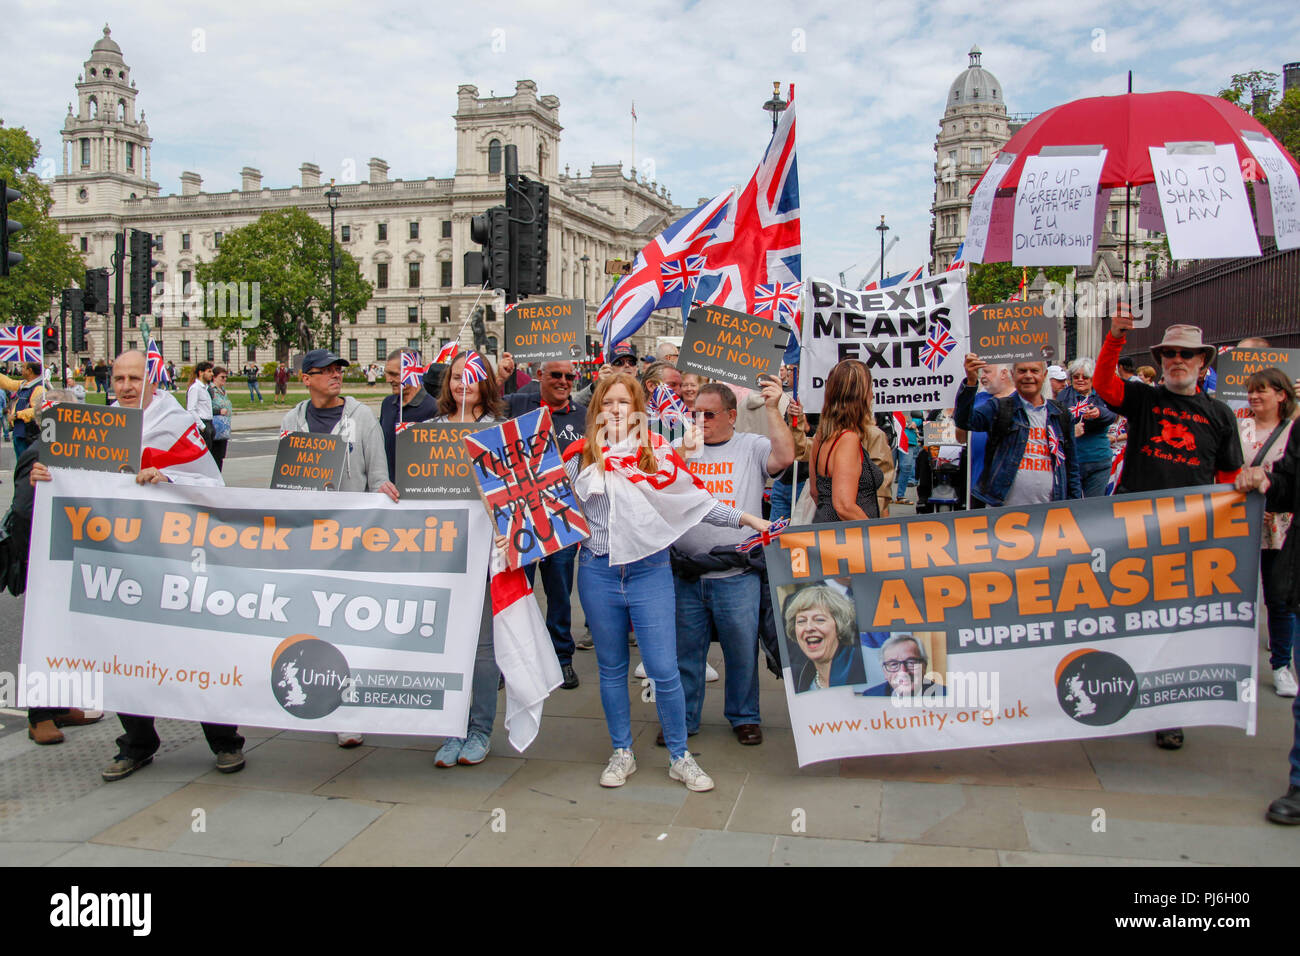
point(733, 347)
point(91, 437)
point(306, 461)
point(432, 462)
point(541, 331)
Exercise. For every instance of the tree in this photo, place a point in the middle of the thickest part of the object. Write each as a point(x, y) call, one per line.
point(50, 263)
point(1256, 92)
point(997, 281)
point(287, 253)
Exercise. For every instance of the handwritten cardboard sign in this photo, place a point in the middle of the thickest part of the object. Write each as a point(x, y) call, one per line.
point(536, 331)
point(306, 461)
point(981, 209)
point(91, 437)
point(1235, 367)
point(1150, 217)
point(1056, 203)
point(1014, 332)
point(1203, 200)
point(432, 461)
point(732, 347)
point(1283, 199)
point(525, 488)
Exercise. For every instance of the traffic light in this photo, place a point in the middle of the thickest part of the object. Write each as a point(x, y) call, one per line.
point(532, 215)
point(491, 267)
point(142, 265)
point(7, 258)
point(74, 302)
point(95, 290)
point(49, 340)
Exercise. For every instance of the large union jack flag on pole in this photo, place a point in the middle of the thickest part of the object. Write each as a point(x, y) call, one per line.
point(518, 468)
point(759, 243)
point(21, 343)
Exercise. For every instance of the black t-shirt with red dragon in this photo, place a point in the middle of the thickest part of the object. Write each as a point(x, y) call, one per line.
point(1175, 441)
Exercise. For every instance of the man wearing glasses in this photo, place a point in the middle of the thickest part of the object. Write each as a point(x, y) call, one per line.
point(568, 425)
point(905, 663)
point(326, 412)
point(1177, 435)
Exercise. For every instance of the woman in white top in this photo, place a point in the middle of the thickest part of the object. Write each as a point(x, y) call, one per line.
point(462, 401)
point(1266, 429)
point(198, 400)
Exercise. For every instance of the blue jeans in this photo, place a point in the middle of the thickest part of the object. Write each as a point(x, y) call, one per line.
point(727, 608)
point(904, 464)
point(20, 446)
point(254, 390)
point(557, 582)
point(1093, 476)
point(637, 596)
point(1281, 619)
point(780, 499)
point(1295, 746)
point(484, 683)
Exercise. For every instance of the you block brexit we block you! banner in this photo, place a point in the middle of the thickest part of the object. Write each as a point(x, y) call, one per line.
point(913, 337)
point(1092, 618)
point(308, 611)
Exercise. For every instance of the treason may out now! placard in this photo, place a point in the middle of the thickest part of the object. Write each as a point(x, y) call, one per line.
point(92, 437)
point(732, 347)
point(432, 461)
point(308, 462)
point(1014, 332)
point(537, 331)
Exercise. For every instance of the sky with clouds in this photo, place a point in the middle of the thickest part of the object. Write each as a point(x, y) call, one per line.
point(280, 83)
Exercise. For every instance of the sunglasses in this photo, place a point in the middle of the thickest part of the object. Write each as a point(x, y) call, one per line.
point(626, 361)
point(567, 376)
point(1184, 354)
point(709, 416)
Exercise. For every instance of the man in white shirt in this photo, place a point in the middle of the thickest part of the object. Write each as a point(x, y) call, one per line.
point(198, 400)
point(734, 466)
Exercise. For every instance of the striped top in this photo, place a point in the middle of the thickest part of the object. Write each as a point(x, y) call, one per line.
point(596, 510)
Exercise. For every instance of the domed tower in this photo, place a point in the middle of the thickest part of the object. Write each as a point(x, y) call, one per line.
point(106, 149)
point(974, 127)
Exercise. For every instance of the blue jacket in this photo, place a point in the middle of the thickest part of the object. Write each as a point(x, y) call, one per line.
point(1008, 449)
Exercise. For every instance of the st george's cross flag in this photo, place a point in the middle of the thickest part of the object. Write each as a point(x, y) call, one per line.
point(525, 488)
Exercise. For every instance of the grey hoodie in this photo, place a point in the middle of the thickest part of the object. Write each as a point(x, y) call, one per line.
point(364, 466)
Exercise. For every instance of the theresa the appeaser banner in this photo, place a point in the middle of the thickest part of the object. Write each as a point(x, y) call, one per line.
point(336, 611)
point(913, 337)
point(1089, 618)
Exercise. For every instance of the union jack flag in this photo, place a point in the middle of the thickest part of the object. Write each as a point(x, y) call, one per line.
point(1056, 446)
point(21, 343)
point(682, 272)
point(759, 241)
point(528, 494)
point(400, 427)
point(958, 258)
point(447, 353)
point(668, 406)
point(155, 367)
point(629, 303)
point(764, 537)
point(1076, 410)
point(475, 370)
point(412, 370)
point(899, 279)
point(937, 346)
point(782, 298)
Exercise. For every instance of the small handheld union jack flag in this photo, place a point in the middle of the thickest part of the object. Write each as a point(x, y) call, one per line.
point(779, 298)
point(1076, 410)
point(448, 353)
point(155, 368)
point(475, 370)
point(21, 343)
point(400, 427)
point(1056, 446)
point(764, 537)
point(412, 370)
point(937, 346)
point(668, 406)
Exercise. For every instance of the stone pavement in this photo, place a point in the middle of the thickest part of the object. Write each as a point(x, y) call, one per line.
point(304, 801)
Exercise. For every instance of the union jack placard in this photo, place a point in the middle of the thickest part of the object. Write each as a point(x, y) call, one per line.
point(525, 488)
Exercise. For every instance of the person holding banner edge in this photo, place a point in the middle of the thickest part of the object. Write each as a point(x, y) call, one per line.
point(465, 398)
point(172, 451)
point(638, 497)
point(1177, 435)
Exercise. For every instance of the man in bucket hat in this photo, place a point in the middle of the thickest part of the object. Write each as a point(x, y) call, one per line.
point(1177, 435)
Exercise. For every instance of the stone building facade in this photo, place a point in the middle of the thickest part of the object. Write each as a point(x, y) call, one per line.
point(409, 236)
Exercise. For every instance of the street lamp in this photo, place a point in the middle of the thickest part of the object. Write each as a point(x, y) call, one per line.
point(332, 198)
point(882, 229)
point(423, 329)
point(776, 106)
point(584, 260)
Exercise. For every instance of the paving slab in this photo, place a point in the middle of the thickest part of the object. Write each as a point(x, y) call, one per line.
point(33, 854)
point(292, 765)
point(91, 854)
point(809, 807)
point(409, 776)
point(793, 851)
point(1030, 858)
point(1061, 765)
point(725, 848)
point(616, 843)
point(408, 835)
point(952, 815)
point(161, 824)
point(88, 815)
point(528, 839)
point(573, 790)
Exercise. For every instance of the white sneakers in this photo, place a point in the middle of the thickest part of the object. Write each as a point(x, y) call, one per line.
point(621, 766)
point(1284, 682)
point(710, 675)
point(685, 769)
